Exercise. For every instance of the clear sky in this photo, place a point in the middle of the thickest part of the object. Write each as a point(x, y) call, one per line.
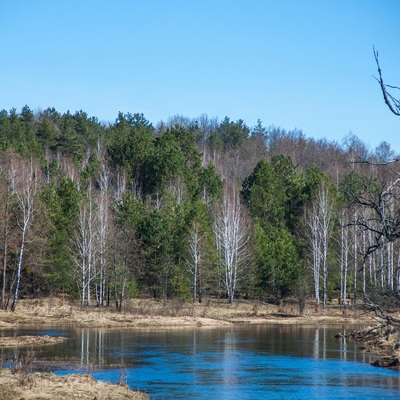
point(291, 63)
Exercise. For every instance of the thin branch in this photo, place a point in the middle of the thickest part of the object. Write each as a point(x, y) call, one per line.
point(391, 102)
point(363, 160)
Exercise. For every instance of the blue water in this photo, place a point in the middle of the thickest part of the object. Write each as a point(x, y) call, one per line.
point(261, 362)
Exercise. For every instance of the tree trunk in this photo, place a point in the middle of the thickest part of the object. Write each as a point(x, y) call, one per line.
point(232, 236)
point(19, 268)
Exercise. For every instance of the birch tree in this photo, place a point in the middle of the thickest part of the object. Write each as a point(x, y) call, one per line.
point(6, 230)
point(195, 259)
point(325, 206)
point(315, 242)
point(232, 237)
point(356, 232)
point(201, 257)
point(23, 177)
point(84, 247)
point(320, 226)
point(103, 223)
point(344, 256)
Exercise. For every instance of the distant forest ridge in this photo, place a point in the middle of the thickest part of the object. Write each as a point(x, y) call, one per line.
point(192, 208)
point(53, 128)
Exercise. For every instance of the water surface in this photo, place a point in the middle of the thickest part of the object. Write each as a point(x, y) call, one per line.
point(256, 362)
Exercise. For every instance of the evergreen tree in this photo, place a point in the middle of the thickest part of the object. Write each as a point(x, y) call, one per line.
point(274, 194)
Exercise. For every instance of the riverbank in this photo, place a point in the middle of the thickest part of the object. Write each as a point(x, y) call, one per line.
point(21, 385)
point(139, 313)
point(380, 339)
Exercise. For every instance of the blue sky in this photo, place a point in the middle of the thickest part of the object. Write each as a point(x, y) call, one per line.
point(291, 63)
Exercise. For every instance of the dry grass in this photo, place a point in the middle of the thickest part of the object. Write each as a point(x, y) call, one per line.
point(28, 341)
point(151, 313)
point(41, 386)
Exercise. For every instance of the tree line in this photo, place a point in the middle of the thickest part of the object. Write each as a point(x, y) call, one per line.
point(192, 208)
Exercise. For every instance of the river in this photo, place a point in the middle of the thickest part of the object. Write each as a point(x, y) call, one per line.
point(244, 362)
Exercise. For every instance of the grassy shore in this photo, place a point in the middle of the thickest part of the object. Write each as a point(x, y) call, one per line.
point(151, 313)
point(40, 386)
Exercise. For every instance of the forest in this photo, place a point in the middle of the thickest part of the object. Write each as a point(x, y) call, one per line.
point(191, 209)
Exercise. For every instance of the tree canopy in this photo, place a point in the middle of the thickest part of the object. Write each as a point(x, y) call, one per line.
point(129, 209)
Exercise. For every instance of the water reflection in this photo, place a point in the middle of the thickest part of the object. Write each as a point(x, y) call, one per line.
point(275, 362)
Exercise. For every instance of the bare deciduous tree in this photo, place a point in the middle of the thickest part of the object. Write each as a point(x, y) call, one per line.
point(232, 238)
point(23, 177)
point(103, 225)
point(195, 256)
point(6, 229)
point(315, 241)
point(320, 224)
point(344, 255)
point(85, 246)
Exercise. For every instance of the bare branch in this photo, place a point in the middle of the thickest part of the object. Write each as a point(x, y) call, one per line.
point(391, 101)
point(380, 313)
point(363, 160)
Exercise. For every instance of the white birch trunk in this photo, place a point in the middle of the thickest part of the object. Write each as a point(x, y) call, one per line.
point(312, 222)
point(103, 233)
point(319, 223)
point(23, 178)
point(355, 244)
point(195, 253)
point(344, 258)
point(232, 237)
point(84, 243)
point(325, 208)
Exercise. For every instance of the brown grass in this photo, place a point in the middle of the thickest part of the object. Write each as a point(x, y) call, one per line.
point(151, 313)
point(41, 386)
point(28, 341)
